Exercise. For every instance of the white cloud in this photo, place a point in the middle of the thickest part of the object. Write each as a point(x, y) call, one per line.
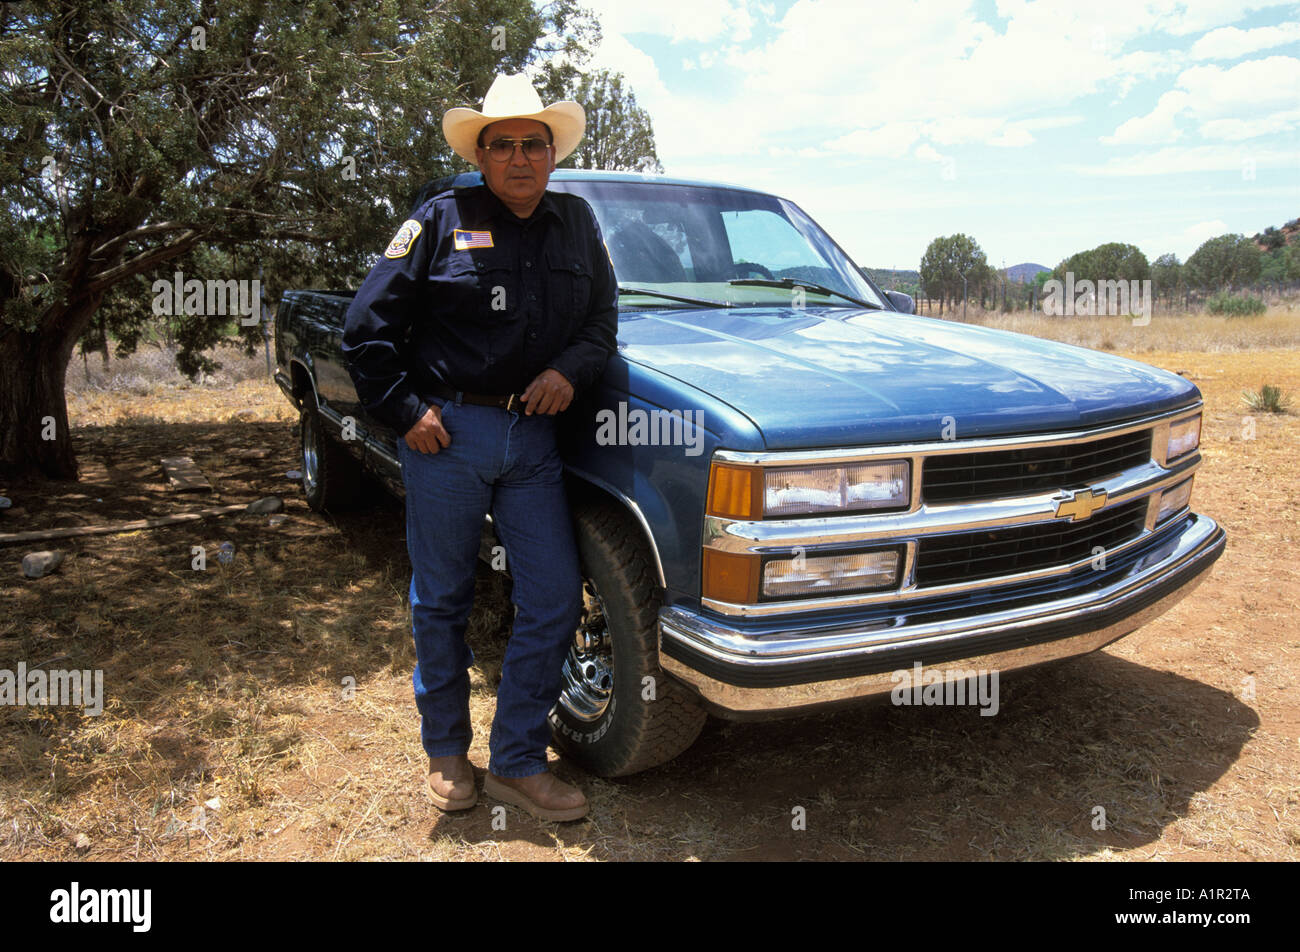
point(1228, 103)
point(1156, 126)
point(1174, 160)
point(1229, 42)
point(698, 20)
point(1237, 130)
point(890, 140)
point(1013, 137)
point(1184, 17)
point(1184, 241)
point(928, 153)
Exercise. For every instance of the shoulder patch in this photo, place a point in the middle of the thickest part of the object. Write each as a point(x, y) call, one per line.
point(400, 246)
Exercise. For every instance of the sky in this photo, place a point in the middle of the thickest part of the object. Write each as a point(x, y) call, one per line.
point(1037, 128)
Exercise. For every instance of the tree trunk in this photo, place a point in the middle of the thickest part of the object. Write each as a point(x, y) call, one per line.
point(103, 339)
point(33, 405)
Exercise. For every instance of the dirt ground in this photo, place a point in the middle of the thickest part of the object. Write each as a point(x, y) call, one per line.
point(262, 709)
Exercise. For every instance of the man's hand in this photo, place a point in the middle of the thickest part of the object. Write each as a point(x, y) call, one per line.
point(549, 392)
point(428, 434)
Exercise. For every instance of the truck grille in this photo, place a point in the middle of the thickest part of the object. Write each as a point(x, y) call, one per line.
point(962, 477)
point(967, 556)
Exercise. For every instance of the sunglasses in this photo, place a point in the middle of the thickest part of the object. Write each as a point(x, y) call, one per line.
point(500, 150)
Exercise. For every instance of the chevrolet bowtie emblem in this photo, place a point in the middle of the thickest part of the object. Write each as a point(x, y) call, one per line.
point(1080, 504)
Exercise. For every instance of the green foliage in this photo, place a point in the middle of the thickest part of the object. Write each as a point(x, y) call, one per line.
point(1167, 276)
point(231, 140)
point(1271, 239)
point(1282, 264)
point(947, 259)
point(1114, 261)
point(1268, 399)
point(1224, 262)
point(1234, 305)
point(619, 135)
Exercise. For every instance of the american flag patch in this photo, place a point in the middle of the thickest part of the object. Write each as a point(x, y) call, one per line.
point(471, 239)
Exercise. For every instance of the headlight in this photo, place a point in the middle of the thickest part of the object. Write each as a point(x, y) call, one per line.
point(1174, 500)
point(830, 574)
point(1183, 438)
point(815, 489)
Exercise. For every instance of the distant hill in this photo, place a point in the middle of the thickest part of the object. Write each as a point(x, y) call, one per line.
point(1022, 273)
point(1270, 239)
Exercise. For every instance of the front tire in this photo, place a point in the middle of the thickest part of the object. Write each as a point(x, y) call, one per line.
point(618, 713)
point(331, 478)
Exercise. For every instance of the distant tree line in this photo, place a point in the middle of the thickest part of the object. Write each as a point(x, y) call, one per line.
point(1221, 265)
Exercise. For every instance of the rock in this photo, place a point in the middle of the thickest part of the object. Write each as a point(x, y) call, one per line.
point(251, 454)
point(266, 504)
point(40, 564)
point(213, 804)
point(276, 520)
point(293, 474)
point(226, 553)
point(82, 843)
point(5, 502)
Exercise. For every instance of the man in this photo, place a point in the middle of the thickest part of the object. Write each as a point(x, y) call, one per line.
point(509, 300)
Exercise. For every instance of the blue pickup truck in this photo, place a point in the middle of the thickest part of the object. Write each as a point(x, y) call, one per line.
point(787, 487)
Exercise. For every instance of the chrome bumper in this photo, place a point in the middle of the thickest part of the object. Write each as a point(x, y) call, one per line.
point(758, 671)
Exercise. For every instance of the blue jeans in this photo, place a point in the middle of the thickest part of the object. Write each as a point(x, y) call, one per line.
point(505, 463)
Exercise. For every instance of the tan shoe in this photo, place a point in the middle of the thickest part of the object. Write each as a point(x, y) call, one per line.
point(451, 783)
point(544, 795)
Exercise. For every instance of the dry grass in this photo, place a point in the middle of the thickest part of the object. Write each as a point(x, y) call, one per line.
point(229, 687)
point(1278, 328)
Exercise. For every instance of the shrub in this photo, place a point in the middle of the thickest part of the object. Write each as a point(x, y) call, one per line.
point(1268, 399)
point(1234, 305)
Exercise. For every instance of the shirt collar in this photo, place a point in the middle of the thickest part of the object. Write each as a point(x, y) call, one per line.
point(497, 208)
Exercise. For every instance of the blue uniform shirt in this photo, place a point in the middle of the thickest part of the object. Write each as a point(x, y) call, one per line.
point(471, 296)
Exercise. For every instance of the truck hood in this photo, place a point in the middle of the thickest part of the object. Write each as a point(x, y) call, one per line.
point(823, 377)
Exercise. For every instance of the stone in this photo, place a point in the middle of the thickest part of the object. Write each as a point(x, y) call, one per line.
point(266, 504)
point(40, 564)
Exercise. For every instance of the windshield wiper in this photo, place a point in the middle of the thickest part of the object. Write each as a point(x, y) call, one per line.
point(806, 285)
point(699, 302)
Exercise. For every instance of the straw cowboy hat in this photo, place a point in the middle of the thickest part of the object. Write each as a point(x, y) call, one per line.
point(513, 97)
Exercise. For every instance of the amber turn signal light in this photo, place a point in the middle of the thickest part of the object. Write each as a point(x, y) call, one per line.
point(735, 492)
point(731, 577)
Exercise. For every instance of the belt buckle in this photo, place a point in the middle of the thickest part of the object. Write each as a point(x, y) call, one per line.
point(510, 403)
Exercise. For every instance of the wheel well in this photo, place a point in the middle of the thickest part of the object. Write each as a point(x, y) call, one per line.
point(582, 491)
point(301, 380)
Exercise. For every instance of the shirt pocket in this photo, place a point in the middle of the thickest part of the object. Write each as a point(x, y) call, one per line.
point(476, 286)
point(569, 284)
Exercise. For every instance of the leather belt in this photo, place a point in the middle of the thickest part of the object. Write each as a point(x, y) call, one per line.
point(510, 401)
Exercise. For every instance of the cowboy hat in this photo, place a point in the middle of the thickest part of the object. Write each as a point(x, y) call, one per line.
point(513, 97)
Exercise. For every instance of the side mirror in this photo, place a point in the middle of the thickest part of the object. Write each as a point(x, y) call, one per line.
point(902, 302)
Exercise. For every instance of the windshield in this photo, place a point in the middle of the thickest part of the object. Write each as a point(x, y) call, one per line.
point(695, 241)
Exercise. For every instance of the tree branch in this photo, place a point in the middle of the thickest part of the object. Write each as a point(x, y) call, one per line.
point(108, 248)
point(142, 262)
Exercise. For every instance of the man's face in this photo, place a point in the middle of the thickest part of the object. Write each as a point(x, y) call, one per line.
point(518, 180)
